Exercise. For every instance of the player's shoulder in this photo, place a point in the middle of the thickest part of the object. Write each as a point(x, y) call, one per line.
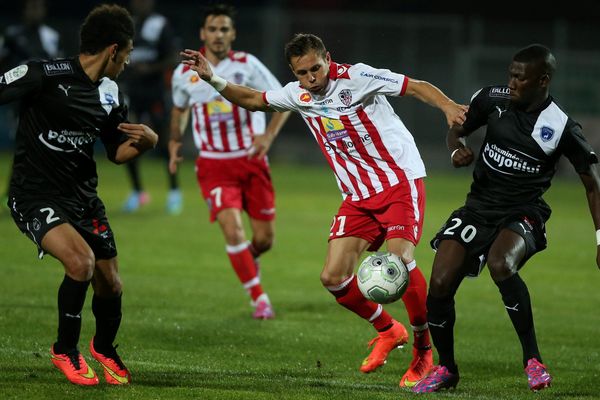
point(492, 93)
point(240, 56)
point(58, 67)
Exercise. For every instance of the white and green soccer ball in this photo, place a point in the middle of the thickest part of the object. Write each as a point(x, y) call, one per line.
point(382, 277)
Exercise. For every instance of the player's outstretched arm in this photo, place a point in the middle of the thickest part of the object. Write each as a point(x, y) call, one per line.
point(460, 154)
point(141, 139)
point(243, 96)
point(591, 182)
point(428, 93)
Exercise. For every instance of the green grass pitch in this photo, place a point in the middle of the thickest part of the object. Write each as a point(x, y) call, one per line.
point(187, 330)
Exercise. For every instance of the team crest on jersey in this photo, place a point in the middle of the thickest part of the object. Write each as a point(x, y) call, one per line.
point(546, 133)
point(58, 68)
point(109, 99)
point(238, 78)
point(305, 97)
point(346, 97)
point(194, 78)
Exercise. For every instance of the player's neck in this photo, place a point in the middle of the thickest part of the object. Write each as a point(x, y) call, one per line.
point(93, 65)
point(216, 58)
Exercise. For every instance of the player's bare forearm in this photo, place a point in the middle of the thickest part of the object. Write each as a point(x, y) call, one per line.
point(428, 93)
point(141, 139)
point(276, 123)
point(243, 96)
point(179, 120)
point(262, 143)
point(591, 182)
point(460, 154)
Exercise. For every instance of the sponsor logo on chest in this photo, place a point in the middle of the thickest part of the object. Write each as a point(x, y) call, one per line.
point(510, 162)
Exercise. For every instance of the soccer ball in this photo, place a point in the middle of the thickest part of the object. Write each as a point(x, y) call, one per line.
point(382, 277)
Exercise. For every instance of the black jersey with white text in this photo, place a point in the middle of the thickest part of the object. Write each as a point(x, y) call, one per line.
point(62, 114)
point(520, 151)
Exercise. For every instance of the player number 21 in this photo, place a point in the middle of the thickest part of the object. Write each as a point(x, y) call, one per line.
point(341, 220)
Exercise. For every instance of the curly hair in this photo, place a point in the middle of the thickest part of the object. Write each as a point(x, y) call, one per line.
point(105, 25)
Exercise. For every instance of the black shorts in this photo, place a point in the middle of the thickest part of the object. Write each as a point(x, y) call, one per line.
point(476, 233)
point(36, 216)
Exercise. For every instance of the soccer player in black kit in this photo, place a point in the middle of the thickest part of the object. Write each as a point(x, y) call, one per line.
point(66, 105)
point(502, 221)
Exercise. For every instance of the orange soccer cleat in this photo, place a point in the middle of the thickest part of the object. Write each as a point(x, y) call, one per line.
point(74, 367)
point(115, 372)
point(420, 366)
point(385, 342)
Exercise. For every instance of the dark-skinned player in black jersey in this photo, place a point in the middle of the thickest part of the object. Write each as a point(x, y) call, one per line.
point(502, 221)
point(66, 105)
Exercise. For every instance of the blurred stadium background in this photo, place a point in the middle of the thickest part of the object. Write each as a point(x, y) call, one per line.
point(459, 46)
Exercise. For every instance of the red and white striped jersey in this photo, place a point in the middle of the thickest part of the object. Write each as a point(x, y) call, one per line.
point(363, 139)
point(222, 129)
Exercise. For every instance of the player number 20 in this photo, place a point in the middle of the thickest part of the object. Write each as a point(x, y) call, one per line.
point(467, 234)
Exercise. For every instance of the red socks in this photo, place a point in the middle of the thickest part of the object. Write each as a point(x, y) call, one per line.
point(348, 295)
point(415, 300)
point(242, 262)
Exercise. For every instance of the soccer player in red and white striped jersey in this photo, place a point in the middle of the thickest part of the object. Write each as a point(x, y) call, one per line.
point(378, 169)
point(230, 180)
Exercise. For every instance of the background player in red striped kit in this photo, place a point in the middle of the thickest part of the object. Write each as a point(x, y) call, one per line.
point(378, 169)
point(230, 178)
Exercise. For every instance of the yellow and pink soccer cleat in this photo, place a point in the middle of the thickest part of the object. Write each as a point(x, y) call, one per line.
point(115, 372)
point(74, 367)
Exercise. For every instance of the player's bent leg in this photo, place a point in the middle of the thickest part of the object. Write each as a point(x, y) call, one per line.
point(263, 235)
point(106, 306)
point(243, 263)
point(337, 276)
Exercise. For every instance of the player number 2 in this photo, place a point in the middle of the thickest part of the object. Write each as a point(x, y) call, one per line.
point(50, 218)
point(216, 193)
point(342, 224)
point(467, 234)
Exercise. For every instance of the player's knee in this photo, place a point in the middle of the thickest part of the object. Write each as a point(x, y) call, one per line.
point(439, 286)
point(501, 267)
point(328, 279)
point(263, 243)
point(80, 264)
point(114, 287)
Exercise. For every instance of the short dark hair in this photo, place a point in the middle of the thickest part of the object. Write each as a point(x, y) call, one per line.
point(219, 9)
point(106, 24)
point(537, 54)
point(302, 43)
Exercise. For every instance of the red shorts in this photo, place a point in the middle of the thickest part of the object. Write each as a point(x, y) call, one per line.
point(240, 183)
point(396, 212)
